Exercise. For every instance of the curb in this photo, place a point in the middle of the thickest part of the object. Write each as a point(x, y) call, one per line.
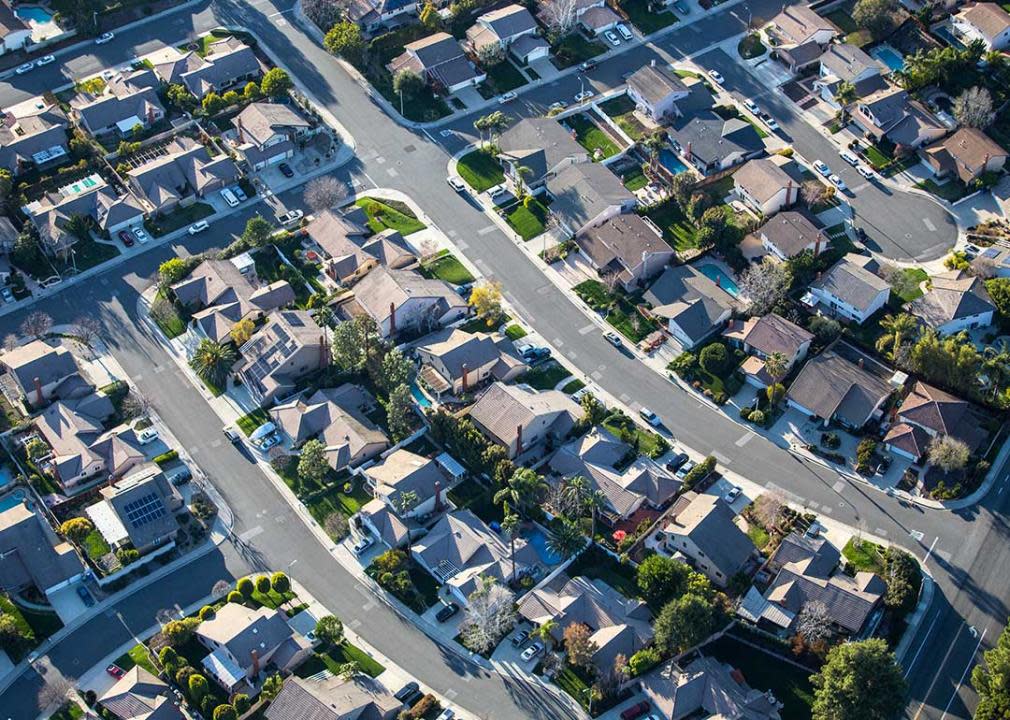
point(914, 622)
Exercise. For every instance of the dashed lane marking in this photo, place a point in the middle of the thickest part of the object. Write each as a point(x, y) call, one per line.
point(744, 440)
point(587, 329)
point(597, 375)
point(838, 486)
point(461, 246)
point(392, 172)
point(354, 624)
point(929, 225)
point(880, 531)
point(216, 443)
point(624, 398)
point(486, 230)
point(558, 342)
point(719, 457)
point(250, 533)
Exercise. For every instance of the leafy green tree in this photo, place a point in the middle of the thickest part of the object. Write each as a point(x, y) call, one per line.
point(198, 687)
point(312, 463)
point(251, 91)
point(400, 413)
point(172, 271)
point(242, 703)
point(246, 586)
point(280, 583)
point(952, 362)
point(179, 632)
point(231, 98)
point(661, 579)
point(859, 681)
point(213, 361)
point(406, 501)
point(258, 231)
point(180, 96)
point(13, 638)
point(408, 84)
point(593, 411)
point(77, 528)
point(898, 330)
point(345, 39)
point(876, 15)
point(272, 686)
point(263, 584)
point(714, 358)
point(991, 680)
point(330, 630)
point(396, 370)
point(684, 622)
point(225, 712)
point(213, 103)
point(352, 341)
point(276, 83)
point(524, 491)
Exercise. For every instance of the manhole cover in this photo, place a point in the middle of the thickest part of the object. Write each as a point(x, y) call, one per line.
point(409, 149)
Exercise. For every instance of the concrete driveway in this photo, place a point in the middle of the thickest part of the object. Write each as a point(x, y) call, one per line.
point(67, 603)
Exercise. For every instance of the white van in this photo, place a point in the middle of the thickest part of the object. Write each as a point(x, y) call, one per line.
point(229, 197)
point(625, 33)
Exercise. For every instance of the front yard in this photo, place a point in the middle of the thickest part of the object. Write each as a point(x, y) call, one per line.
point(503, 77)
point(627, 430)
point(574, 49)
point(645, 19)
point(591, 136)
point(336, 500)
point(528, 222)
point(179, 218)
point(619, 311)
point(250, 421)
point(546, 376)
point(390, 214)
point(334, 658)
point(951, 191)
point(480, 170)
point(906, 283)
point(446, 267)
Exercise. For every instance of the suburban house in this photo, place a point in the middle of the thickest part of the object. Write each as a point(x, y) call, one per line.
point(500, 28)
point(702, 528)
point(186, 171)
point(219, 293)
point(38, 372)
point(808, 572)
point(927, 413)
point(456, 362)
point(227, 62)
point(540, 144)
point(789, 233)
point(691, 305)
point(626, 479)
point(627, 246)
point(655, 91)
point(598, 19)
point(385, 522)
point(586, 195)
point(243, 642)
point(528, 48)
point(842, 63)
point(759, 337)
point(618, 625)
point(460, 550)
point(81, 447)
point(32, 554)
point(800, 35)
point(288, 346)
point(126, 101)
point(338, 418)
point(139, 695)
point(334, 698)
point(765, 186)
point(138, 510)
point(267, 133)
point(33, 134)
point(91, 197)
point(15, 33)
point(404, 301)
point(350, 248)
point(439, 59)
point(850, 289)
point(707, 688)
point(983, 21)
point(835, 389)
point(955, 301)
point(411, 485)
point(710, 143)
point(966, 155)
point(520, 419)
point(372, 15)
point(892, 114)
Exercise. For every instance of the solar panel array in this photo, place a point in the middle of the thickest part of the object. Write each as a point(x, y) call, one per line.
point(144, 509)
point(283, 347)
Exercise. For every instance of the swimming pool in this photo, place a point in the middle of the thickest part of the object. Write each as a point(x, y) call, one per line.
point(716, 275)
point(669, 160)
point(12, 499)
point(34, 14)
point(538, 539)
point(6, 475)
point(890, 57)
point(419, 397)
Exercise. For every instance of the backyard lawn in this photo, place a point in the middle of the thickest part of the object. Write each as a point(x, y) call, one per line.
point(446, 267)
point(622, 110)
point(905, 283)
point(250, 421)
point(596, 564)
point(573, 49)
point(528, 222)
point(70, 711)
point(591, 136)
point(390, 214)
point(179, 218)
point(678, 231)
point(646, 20)
point(547, 376)
point(634, 178)
point(480, 170)
point(504, 77)
point(95, 545)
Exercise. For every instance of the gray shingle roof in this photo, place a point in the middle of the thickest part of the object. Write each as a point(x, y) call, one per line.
point(710, 138)
point(792, 232)
point(832, 387)
point(542, 144)
point(656, 83)
point(583, 191)
point(708, 521)
point(689, 298)
point(31, 553)
point(333, 698)
point(952, 296)
point(852, 281)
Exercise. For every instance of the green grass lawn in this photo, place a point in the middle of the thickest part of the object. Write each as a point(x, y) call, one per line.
point(679, 232)
point(790, 685)
point(905, 284)
point(504, 77)
point(250, 421)
point(573, 49)
point(515, 332)
point(624, 318)
point(70, 711)
point(569, 681)
point(951, 191)
point(877, 159)
point(594, 293)
point(573, 386)
point(43, 623)
point(95, 545)
point(634, 178)
point(271, 598)
point(623, 427)
point(336, 500)
point(758, 535)
point(390, 214)
point(480, 170)
point(179, 218)
point(751, 47)
point(864, 555)
point(528, 222)
point(447, 267)
point(644, 19)
point(335, 657)
point(167, 318)
point(547, 376)
point(591, 136)
point(137, 655)
point(598, 565)
point(622, 110)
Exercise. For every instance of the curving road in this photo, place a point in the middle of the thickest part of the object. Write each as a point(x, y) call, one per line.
point(968, 550)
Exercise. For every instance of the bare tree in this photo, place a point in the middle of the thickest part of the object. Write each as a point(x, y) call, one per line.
point(10, 341)
point(323, 193)
point(87, 329)
point(814, 192)
point(814, 621)
point(220, 589)
point(767, 508)
point(765, 285)
point(611, 280)
point(561, 15)
point(490, 54)
point(490, 613)
point(948, 453)
point(973, 108)
point(54, 690)
point(36, 324)
point(336, 525)
point(984, 267)
point(135, 405)
point(324, 13)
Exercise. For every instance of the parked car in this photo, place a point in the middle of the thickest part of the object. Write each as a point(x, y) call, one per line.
point(180, 477)
point(104, 38)
point(681, 7)
point(507, 97)
point(45, 60)
point(446, 714)
point(85, 596)
point(232, 434)
point(239, 193)
point(290, 217)
point(716, 77)
point(115, 671)
point(198, 227)
point(650, 417)
point(732, 495)
point(751, 105)
point(456, 184)
point(769, 121)
point(587, 65)
point(866, 171)
point(147, 435)
point(520, 637)
point(838, 182)
point(108, 74)
point(584, 95)
point(362, 544)
point(536, 354)
point(465, 289)
point(676, 462)
point(6, 294)
point(685, 469)
point(22, 69)
point(557, 106)
point(635, 711)
point(126, 237)
point(142, 235)
point(613, 338)
point(407, 691)
point(286, 170)
point(532, 651)
point(849, 157)
point(624, 32)
point(446, 611)
point(497, 192)
point(971, 251)
point(822, 168)
point(229, 197)
point(612, 38)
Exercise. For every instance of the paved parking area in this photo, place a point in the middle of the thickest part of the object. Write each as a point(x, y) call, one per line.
point(67, 603)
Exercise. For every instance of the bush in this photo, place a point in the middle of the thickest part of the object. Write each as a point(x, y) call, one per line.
point(165, 458)
point(206, 613)
point(714, 358)
point(235, 597)
point(127, 555)
point(864, 453)
point(699, 472)
point(263, 584)
point(428, 705)
point(745, 412)
point(684, 364)
point(758, 418)
point(644, 660)
point(830, 440)
point(245, 587)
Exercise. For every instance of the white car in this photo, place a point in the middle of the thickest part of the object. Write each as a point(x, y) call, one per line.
point(650, 417)
point(751, 105)
point(362, 544)
point(198, 227)
point(104, 38)
point(717, 77)
point(866, 172)
point(147, 435)
point(822, 168)
point(506, 97)
point(108, 75)
point(497, 192)
point(612, 38)
point(532, 651)
point(624, 32)
point(456, 184)
point(557, 106)
point(838, 182)
point(584, 95)
point(733, 494)
point(22, 69)
point(848, 157)
point(142, 237)
point(46, 60)
point(446, 714)
point(613, 338)
point(769, 121)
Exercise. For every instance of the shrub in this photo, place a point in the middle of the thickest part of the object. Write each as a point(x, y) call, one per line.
point(644, 660)
point(428, 705)
point(830, 440)
point(127, 555)
point(235, 597)
point(280, 583)
point(263, 584)
point(684, 364)
point(206, 613)
point(864, 452)
point(167, 457)
point(700, 471)
point(758, 418)
point(745, 412)
point(714, 358)
point(183, 674)
point(246, 587)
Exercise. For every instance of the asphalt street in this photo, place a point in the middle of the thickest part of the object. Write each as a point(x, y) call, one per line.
point(968, 548)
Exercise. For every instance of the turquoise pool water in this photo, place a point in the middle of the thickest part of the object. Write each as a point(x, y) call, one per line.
point(34, 14)
point(419, 397)
point(715, 274)
point(538, 539)
point(12, 499)
point(669, 160)
point(890, 57)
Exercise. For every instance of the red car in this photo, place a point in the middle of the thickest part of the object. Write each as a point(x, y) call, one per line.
point(635, 711)
point(115, 671)
point(126, 237)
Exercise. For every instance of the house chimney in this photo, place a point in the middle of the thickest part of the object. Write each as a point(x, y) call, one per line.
point(254, 654)
point(519, 440)
point(465, 371)
point(392, 319)
point(789, 193)
point(438, 496)
point(38, 391)
point(150, 115)
point(652, 63)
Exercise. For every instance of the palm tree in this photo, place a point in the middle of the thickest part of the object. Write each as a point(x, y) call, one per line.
point(520, 173)
point(545, 633)
point(576, 489)
point(593, 503)
point(482, 124)
point(654, 144)
point(777, 365)
point(510, 526)
point(497, 121)
point(524, 490)
point(845, 95)
point(897, 329)
point(566, 539)
point(212, 362)
point(997, 366)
